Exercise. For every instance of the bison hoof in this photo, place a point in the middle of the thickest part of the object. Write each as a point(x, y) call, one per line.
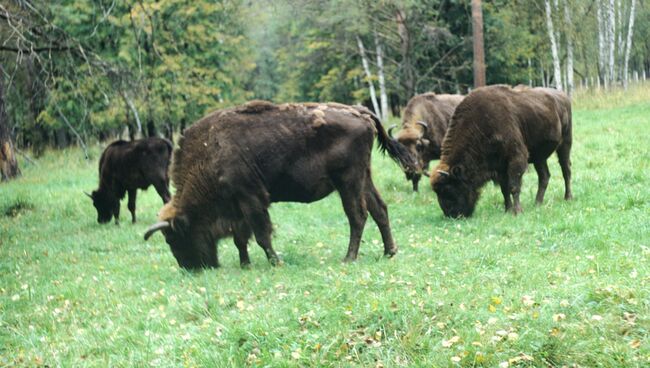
point(275, 261)
point(245, 266)
point(389, 253)
point(349, 259)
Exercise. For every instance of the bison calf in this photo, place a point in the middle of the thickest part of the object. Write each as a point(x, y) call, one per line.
point(424, 125)
point(494, 133)
point(128, 166)
point(234, 163)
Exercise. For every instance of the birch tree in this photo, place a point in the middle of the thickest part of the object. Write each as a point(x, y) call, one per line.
point(383, 96)
point(628, 44)
point(569, 48)
point(366, 69)
point(557, 71)
point(611, 40)
point(602, 45)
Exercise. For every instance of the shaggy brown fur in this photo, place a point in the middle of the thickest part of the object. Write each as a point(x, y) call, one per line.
point(435, 111)
point(232, 164)
point(129, 166)
point(494, 133)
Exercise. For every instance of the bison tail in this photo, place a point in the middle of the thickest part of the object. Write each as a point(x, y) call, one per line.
point(389, 145)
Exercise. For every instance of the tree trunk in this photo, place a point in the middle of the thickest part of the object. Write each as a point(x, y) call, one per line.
point(36, 97)
point(477, 34)
point(628, 45)
point(383, 97)
point(557, 71)
point(366, 69)
point(8, 163)
point(569, 48)
point(408, 74)
point(602, 44)
point(611, 40)
point(133, 109)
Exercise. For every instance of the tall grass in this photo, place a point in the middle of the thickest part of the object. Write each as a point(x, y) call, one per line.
point(563, 284)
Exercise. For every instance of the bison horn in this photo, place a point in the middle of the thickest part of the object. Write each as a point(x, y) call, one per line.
point(155, 227)
point(442, 172)
point(424, 125)
point(390, 131)
point(86, 193)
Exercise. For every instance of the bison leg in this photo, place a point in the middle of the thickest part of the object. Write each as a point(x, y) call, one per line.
point(503, 182)
point(515, 173)
point(355, 209)
point(379, 213)
point(543, 175)
point(132, 194)
point(564, 156)
point(415, 179)
point(241, 234)
point(162, 189)
point(259, 220)
point(116, 212)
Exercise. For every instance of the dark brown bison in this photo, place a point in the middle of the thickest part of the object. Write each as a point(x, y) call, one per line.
point(234, 163)
point(494, 133)
point(128, 166)
point(424, 125)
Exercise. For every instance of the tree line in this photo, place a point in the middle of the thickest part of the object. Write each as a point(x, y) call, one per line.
point(78, 70)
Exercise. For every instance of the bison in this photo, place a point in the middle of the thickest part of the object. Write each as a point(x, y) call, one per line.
point(424, 125)
point(232, 164)
point(494, 133)
point(128, 166)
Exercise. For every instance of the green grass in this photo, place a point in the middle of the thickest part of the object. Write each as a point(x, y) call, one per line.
point(563, 284)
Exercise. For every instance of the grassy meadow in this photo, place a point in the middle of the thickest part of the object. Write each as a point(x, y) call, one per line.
point(563, 284)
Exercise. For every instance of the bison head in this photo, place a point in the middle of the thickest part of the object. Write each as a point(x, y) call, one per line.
point(191, 245)
point(104, 203)
point(455, 196)
point(415, 142)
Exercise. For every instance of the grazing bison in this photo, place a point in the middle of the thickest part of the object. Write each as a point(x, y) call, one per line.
point(234, 163)
point(128, 166)
point(494, 133)
point(424, 125)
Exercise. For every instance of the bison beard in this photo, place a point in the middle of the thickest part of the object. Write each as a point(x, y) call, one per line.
point(494, 133)
point(424, 125)
point(234, 163)
point(129, 166)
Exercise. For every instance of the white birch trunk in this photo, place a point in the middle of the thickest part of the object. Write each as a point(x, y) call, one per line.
point(611, 40)
point(366, 69)
point(628, 45)
point(557, 71)
point(383, 97)
point(620, 36)
point(569, 48)
point(602, 70)
point(134, 111)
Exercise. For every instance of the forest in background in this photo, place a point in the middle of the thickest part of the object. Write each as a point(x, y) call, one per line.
point(78, 70)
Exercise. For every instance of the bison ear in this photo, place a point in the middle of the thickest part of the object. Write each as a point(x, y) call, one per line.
point(457, 171)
